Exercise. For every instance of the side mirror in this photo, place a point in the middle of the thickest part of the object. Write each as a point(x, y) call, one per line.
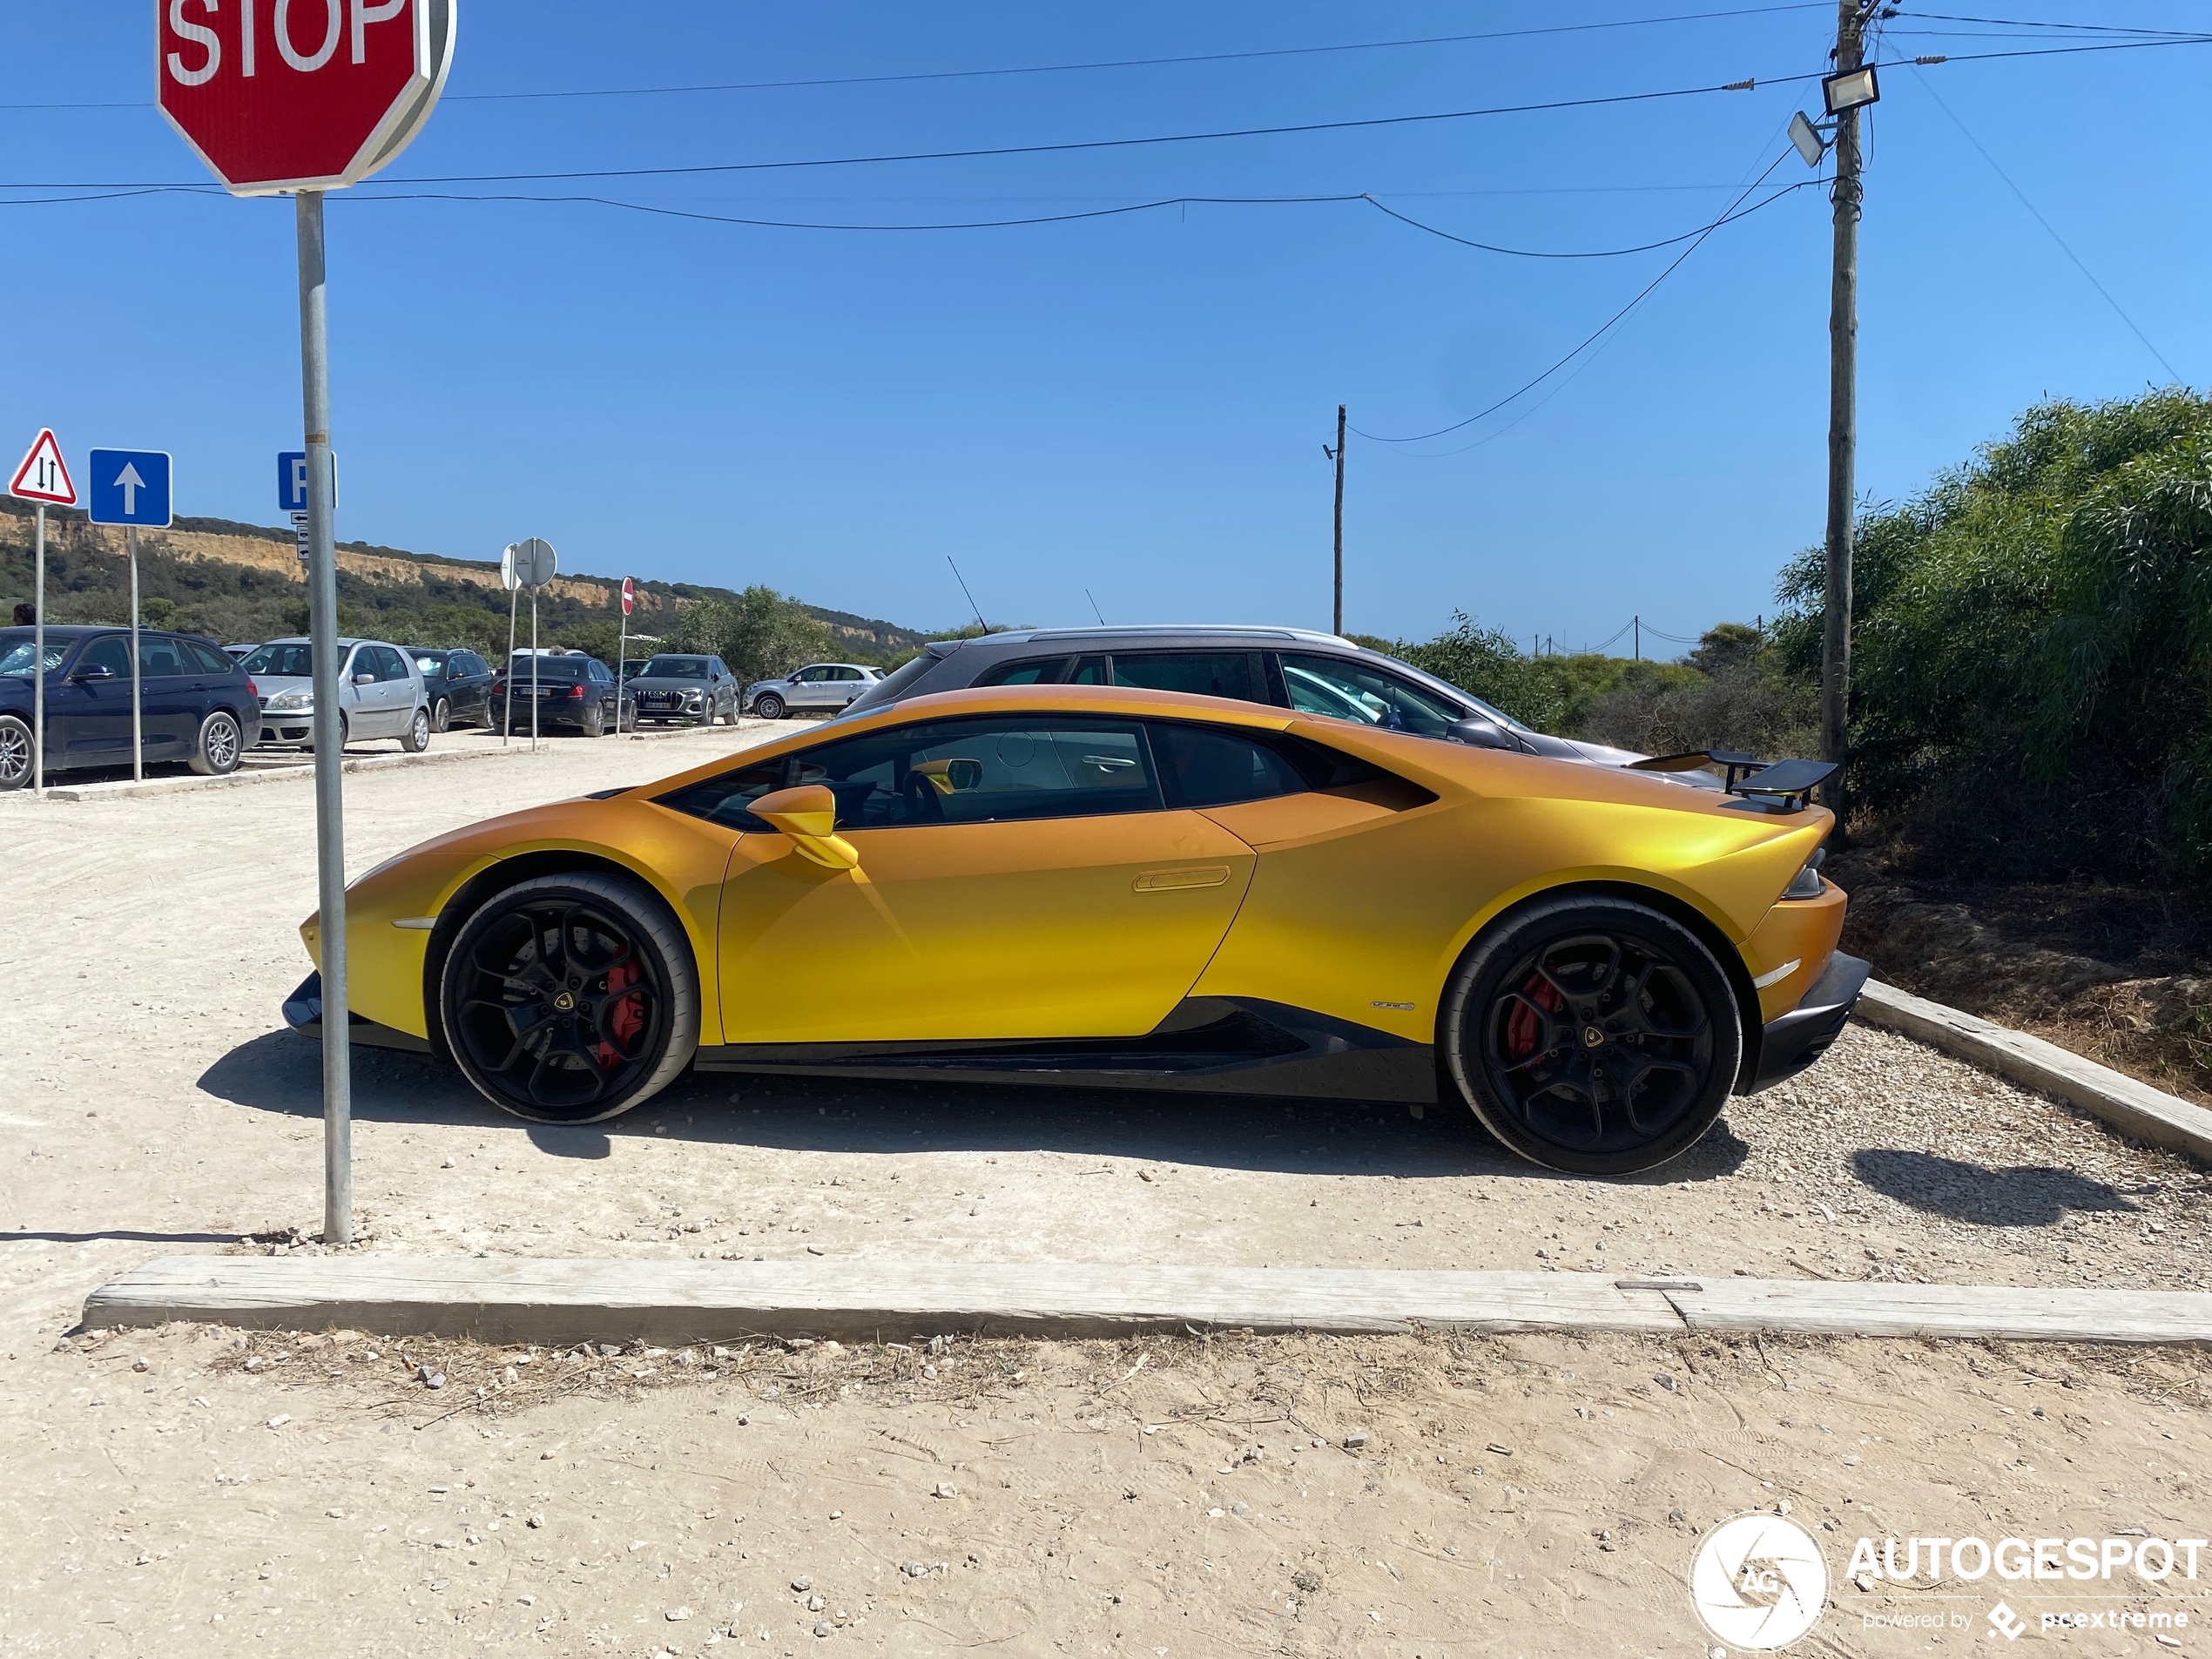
point(364, 679)
point(1480, 732)
point(807, 815)
point(94, 671)
point(952, 776)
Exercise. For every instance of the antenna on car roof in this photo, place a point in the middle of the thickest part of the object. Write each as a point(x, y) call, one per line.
point(1094, 610)
point(972, 606)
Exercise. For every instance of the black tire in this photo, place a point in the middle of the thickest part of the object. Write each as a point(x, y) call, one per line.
point(442, 717)
point(595, 723)
point(416, 737)
point(499, 998)
point(1557, 1002)
point(15, 753)
point(215, 752)
point(769, 706)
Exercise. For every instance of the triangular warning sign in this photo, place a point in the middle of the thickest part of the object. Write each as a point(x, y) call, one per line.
point(44, 474)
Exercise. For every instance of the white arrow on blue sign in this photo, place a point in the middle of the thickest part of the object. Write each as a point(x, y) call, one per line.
point(130, 487)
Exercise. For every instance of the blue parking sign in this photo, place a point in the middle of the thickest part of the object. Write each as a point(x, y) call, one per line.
point(130, 487)
point(292, 480)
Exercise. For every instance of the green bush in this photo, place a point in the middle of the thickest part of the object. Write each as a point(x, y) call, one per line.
point(2032, 647)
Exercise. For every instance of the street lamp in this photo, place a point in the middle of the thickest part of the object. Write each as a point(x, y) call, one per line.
point(1853, 89)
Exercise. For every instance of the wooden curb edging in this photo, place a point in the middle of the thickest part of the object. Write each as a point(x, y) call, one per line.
point(2148, 1114)
point(539, 1300)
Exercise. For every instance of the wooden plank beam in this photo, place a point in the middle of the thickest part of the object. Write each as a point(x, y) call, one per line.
point(524, 1299)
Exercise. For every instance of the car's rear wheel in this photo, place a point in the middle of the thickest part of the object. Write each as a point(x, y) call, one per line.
point(215, 754)
point(416, 737)
point(15, 752)
point(769, 706)
point(442, 716)
point(570, 999)
point(1593, 1034)
point(595, 723)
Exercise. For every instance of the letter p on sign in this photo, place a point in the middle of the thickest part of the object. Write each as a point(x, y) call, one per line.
point(285, 95)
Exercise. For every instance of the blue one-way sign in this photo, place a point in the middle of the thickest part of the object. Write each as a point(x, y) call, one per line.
point(130, 487)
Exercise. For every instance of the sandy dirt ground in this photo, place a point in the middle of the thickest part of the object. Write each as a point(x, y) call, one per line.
point(155, 1104)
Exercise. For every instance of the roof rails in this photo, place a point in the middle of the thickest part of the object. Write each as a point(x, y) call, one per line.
point(1151, 629)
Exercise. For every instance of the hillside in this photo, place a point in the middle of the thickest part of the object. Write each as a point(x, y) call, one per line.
point(235, 581)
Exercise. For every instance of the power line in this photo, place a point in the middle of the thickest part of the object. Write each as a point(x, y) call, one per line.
point(1748, 83)
point(1060, 69)
point(1607, 327)
point(2032, 22)
point(2052, 232)
point(1591, 253)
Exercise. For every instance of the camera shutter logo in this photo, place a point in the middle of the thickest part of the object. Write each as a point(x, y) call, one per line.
point(1759, 1581)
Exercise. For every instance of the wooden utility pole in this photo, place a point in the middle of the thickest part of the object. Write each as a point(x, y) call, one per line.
point(1843, 429)
point(1336, 626)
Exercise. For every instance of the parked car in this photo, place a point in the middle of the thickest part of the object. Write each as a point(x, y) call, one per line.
point(240, 653)
point(1100, 887)
point(196, 704)
point(381, 693)
point(1291, 668)
point(677, 685)
point(818, 687)
point(458, 683)
point(574, 690)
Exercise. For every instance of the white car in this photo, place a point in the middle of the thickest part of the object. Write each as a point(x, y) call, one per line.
point(381, 693)
point(823, 688)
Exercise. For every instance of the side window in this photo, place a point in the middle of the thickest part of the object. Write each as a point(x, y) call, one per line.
point(1088, 671)
point(206, 659)
point(112, 652)
point(1033, 670)
point(160, 658)
point(726, 798)
point(977, 772)
point(1350, 691)
point(1206, 766)
point(1194, 673)
point(716, 666)
point(390, 665)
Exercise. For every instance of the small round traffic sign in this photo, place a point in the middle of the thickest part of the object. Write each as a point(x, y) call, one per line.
point(629, 595)
point(299, 94)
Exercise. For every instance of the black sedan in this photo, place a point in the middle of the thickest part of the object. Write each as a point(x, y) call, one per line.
point(458, 683)
point(195, 704)
point(574, 691)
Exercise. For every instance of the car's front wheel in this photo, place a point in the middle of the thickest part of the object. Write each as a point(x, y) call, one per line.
point(1593, 1034)
point(572, 998)
point(769, 706)
point(15, 752)
point(215, 754)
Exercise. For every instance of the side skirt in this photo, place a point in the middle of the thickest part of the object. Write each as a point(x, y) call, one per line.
point(1207, 1045)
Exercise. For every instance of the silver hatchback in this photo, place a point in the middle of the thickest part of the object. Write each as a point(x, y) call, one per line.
point(380, 693)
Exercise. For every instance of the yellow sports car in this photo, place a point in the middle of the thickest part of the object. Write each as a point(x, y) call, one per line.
point(1109, 887)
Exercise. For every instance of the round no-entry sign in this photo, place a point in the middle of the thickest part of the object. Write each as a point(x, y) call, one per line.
point(282, 95)
point(629, 595)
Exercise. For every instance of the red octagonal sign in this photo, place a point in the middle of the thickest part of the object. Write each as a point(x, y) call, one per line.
point(278, 95)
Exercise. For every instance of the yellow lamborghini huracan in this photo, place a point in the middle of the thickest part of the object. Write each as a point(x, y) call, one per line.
point(1109, 887)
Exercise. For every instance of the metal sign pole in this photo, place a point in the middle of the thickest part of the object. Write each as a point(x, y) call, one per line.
point(533, 670)
point(38, 661)
point(507, 723)
point(330, 838)
point(137, 689)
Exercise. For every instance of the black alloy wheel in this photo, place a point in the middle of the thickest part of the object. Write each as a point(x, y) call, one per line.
point(1593, 1034)
point(570, 999)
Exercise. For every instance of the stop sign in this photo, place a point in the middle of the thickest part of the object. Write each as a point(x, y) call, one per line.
point(280, 95)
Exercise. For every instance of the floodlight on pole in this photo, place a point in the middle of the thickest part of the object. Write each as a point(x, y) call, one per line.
point(1807, 137)
point(1851, 90)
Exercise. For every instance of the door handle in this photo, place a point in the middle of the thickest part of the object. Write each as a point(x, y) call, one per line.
point(1209, 875)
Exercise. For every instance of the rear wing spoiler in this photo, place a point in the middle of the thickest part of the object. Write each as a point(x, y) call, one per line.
point(1784, 786)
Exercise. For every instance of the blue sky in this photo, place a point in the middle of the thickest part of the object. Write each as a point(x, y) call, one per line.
point(1133, 405)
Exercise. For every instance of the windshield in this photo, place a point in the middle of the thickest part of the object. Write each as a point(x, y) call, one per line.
point(431, 667)
point(551, 668)
point(677, 668)
point(16, 649)
point(282, 662)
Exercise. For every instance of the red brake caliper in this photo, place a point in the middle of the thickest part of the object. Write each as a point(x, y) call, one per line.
point(627, 1018)
point(1524, 1031)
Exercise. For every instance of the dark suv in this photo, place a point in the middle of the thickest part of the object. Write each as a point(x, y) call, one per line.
point(196, 702)
point(1288, 667)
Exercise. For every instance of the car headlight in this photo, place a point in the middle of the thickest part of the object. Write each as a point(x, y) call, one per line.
point(292, 700)
point(1806, 884)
